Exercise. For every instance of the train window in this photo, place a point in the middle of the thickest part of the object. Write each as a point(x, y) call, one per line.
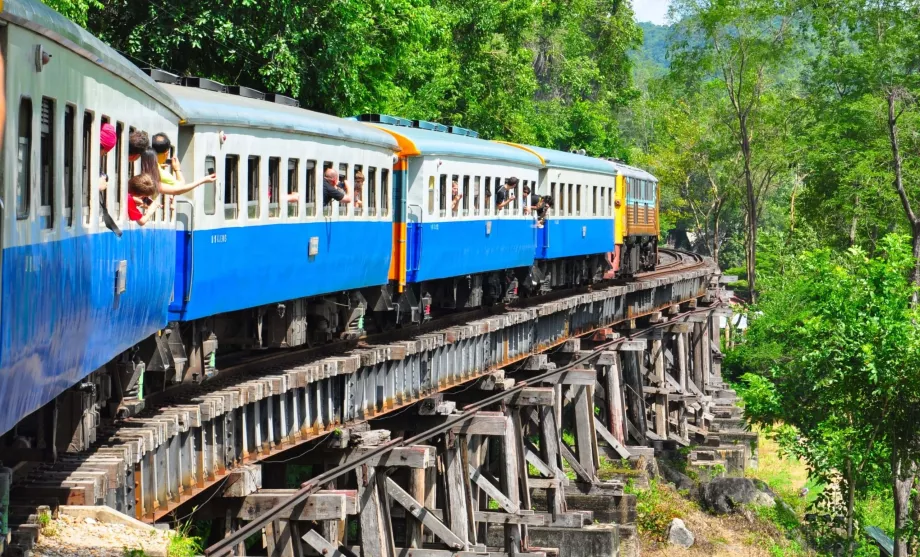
point(442, 196)
point(231, 187)
point(454, 181)
point(46, 168)
point(384, 192)
point(487, 200)
point(310, 209)
point(87, 154)
point(371, 191)
point(592, 210)
point(104, 169)
point(578, 199)
point(599, 209)
point(70, 131)
point(560, 202)
point(119, 189)
point(571, 195)
point(252, 187)
point(465, 202)
point(210, 188)
point(477, 194)
point(343, 175)
point(293, 187)
point(274, 187)
point(327, 209)
point(24, 159)
point(552, 193)
point(357, 182)
point(431, 195)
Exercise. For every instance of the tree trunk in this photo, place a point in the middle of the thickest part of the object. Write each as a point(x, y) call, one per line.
point(899, 187)
point(902, 480)
point(750, 207)
point(851, 496)
point(853, 223)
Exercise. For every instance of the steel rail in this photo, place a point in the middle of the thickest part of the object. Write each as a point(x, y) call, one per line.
point(224, 547)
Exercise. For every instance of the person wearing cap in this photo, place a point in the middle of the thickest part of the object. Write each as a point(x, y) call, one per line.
point(107, 140)
point(505, 194)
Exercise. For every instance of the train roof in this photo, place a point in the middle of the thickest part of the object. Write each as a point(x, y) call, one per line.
point(38, 18)
point(631, 171)
point(203, 107)
point(419, 142)
point(552, 158)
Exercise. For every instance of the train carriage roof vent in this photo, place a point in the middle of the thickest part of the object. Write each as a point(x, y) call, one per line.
point(462, 131)
point(161, 76)
point(385, 119)
point(281, 99)
point(203, 83)
point(247, 92)
point(426, 125)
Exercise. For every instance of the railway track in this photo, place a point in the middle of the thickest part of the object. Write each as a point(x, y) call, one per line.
point(188, 441)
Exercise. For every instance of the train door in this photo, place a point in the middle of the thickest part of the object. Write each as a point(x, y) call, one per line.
point(185, 221)
point(3, 152)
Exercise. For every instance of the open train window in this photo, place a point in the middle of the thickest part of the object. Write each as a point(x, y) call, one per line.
point(24, 159)
point(578, 189)
point(293, 187)
point(465, 202)
point(104, 170)
point(231, 186)
point(442, 196)
point(455, 179)
point(552, 193)
point(384, 192)
point(210, 188)
point(70, 171)
point(311, 189)
point(343, 176)
point(252, 187)
point(327, 208)
point(357, 185)
point(119, 190)
point(487, 199)
point(46, 160)
point(477, 194)
point(371, 191)
point(87, 155)
point(274, 187)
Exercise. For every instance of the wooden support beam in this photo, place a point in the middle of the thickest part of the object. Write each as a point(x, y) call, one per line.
point(549, 451)
point(570, 457)
point(504, 518)
point(585, 434)
point(630, 346)
point(323, 505)
point(456, 508)
point(530, 454)
point(661, 398)
point(417, 510)
point(492, 491)
point(320, 545)
point(372, 514)
point(533, 396)
point(616, 409)
point(483, 423)
point(610, 439)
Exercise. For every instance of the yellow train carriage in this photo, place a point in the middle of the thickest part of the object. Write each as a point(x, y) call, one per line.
point(636, 235)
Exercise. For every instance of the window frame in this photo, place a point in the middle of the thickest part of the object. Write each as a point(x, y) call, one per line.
point(209, 187)
point(23, 190)
point(232, 185)
point(46, 183)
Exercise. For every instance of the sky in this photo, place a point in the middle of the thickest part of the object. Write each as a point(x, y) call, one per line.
point(655, 11)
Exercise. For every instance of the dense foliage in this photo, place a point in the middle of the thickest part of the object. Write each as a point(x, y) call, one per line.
point(550, 73)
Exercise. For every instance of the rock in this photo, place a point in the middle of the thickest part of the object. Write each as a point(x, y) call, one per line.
point(672, 475)
point(678, 534)
point(89, 520)
point(725, 495)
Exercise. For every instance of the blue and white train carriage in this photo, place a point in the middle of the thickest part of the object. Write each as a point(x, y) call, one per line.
point(256, 245)
point(74, 295)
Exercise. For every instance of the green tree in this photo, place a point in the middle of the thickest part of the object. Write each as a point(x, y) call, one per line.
point(743, 45)
point(835, 353)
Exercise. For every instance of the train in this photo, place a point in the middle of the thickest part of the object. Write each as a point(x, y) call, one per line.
point(93, 321)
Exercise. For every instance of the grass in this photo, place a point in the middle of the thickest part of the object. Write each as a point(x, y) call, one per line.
point(610, 468)
point(182, 543)
point(134, 553)
point(656, 507)
point(786, 476)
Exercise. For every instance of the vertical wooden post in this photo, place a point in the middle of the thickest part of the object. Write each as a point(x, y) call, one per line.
point(373, 530)
point(585, 435)
point(696, 344)
point(455, 507)
point(515, 414)
point(661, 400)
point(510, 484)
point(615, 408)
point(681, 341)
point(706, 353)
point(549, 451)
point(414, 530)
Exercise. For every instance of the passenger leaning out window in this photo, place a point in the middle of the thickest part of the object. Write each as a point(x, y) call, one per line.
point(455, 197)
point(107, 140)
point(530, 200)
point(171, 180)
point(359, 185)
point(138, 142)
point(505, 194)
point(332, 190)
point(140, 191)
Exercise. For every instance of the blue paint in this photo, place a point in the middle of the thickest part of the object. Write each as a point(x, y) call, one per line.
point(60, 318)
point(244, 267)
point(457, 248)
point(570, 237)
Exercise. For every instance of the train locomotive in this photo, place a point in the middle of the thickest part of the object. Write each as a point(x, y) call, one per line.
point(92, 321)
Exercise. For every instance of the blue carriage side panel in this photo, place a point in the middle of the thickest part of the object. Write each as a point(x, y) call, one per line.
point(249, 266)
point(571, 237)
point(62, 317)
